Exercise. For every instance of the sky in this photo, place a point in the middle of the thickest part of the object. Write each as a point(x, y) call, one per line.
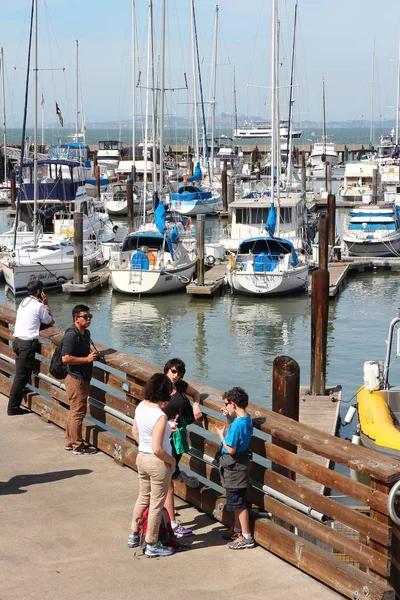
point(335, 40)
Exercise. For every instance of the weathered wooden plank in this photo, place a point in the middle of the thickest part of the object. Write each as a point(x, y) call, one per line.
point(331, 479)
point(344, 578)
point(333, 538)
point(327, 506)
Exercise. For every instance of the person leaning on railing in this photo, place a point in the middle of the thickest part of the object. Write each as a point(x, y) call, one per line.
point(33, 312)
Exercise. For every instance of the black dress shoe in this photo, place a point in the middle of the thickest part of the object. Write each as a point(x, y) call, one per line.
point(18, 411)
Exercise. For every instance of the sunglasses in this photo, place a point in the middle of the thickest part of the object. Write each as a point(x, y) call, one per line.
point(227, 402)
point(174, 371)
point(86, 316)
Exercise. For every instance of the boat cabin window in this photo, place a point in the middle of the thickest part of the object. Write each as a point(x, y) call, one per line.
point(286, 215)
point(251, 216)
point(153, 242)
point(84, 208)
point(372, 226)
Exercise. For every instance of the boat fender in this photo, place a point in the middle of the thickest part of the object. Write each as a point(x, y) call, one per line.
point(355, 439)
point(350, 414)
point(210, 260)
point(115, 228)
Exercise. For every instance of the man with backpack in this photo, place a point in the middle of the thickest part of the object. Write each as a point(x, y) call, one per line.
point(79, 357)
point(31, 314)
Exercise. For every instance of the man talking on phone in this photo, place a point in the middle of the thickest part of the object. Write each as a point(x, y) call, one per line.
point(31, 314)
point(78, 353)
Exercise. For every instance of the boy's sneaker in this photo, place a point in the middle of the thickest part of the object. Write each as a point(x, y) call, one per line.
point(133, 540)
point(241, 543)
point(181, 531)
point(231, 534)
point(85, 450)
point(68, 448)
point(154, 550)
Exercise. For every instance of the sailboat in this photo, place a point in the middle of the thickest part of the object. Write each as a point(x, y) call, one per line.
point(47, 252)
point(269, 265)
point(5, 188)
point(323, 152)
point(191, 198)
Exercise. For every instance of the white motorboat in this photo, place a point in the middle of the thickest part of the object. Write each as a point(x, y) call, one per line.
point(263, 129)
point(60, 194)
point(373, 232)
point(361, 181)
point(323, 153)
point(151, 261)
point(266, 266)
point(191, 200)
point(115, 202)
point(49, 261)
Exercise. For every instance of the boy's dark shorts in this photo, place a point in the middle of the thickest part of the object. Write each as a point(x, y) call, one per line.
point(236, 498)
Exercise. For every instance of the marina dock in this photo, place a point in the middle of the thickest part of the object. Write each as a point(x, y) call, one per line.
point(100, 537)
point(214, 279)
point(339, 271)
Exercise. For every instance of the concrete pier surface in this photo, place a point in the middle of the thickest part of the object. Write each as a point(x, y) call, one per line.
point(64, 523)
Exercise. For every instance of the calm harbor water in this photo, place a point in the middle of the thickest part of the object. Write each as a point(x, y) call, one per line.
point(182, 135)
point(233, 340)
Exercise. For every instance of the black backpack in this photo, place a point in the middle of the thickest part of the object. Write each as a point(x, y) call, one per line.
point(57, 368)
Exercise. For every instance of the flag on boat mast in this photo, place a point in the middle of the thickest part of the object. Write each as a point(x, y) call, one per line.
point(59, 115)
point(42, 101)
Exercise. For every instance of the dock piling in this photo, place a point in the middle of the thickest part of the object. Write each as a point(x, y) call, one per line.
point(323, 241)
point(285, 401)
point(231, 192)
point(13, 187)
point(331, 219)
point(200, 223)
point(129, 201)
point(224, 186)
point(78, 247)
point(319, 329)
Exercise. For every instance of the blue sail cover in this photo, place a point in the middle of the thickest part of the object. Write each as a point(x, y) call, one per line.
point(270, 223)
point(173, 237)
point(159, 217)
point(197, 175)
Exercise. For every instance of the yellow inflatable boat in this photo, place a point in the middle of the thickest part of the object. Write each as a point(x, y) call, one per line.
point(377, 418)
point(378, 402)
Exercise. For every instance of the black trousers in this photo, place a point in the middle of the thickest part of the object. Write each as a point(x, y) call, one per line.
point(25, 363)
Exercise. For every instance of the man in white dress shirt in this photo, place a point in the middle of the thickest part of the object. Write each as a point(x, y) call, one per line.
point(31, 314)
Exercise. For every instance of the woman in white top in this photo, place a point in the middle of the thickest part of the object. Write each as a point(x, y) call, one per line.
point(155, 464)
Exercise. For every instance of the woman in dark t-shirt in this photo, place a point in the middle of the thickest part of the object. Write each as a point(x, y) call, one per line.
point(180, 410)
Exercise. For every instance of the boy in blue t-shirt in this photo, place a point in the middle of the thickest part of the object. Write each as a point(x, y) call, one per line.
point(234, 465)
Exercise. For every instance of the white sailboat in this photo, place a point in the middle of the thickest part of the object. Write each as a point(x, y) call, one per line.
point(323, 152)
point(192, 198)
point(269, 265)
point(5, 188)
point(49, 256)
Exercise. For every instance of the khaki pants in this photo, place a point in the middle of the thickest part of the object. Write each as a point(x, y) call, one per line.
point(77, 393)
point(154, 480)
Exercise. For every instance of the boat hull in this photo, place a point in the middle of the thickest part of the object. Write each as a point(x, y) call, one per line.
point(377, 429)
point(373, 248)
point(268, 284)
point(52, 273)
point(155, 281)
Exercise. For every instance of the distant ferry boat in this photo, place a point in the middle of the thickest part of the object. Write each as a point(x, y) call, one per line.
point(262, 129)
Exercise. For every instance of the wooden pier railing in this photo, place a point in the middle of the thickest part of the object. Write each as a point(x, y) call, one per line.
point(294, 522)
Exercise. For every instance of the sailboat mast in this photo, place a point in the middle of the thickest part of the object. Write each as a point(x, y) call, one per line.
point(195, 115)
point(273, 128)
point(277, 123)
point(35, 128)
point(398, 97)
point(162, 94)
point(371, 131)
point(289, 144)
point(133, 89)
point(234, 101)
point(146, 132)
point(214, 88)
point(77, 90)
point(153, 108)
point(3, 96)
